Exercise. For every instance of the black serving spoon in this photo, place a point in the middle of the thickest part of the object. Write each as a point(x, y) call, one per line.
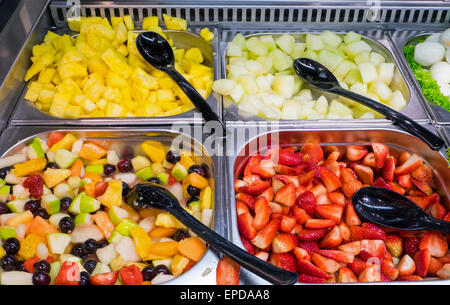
point(322, 78)
point(391, 209)
point(157, 51)
point(151, 195)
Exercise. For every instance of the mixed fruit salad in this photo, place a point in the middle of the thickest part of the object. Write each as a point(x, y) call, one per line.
point(64, 220)
point(294, 210)
point(100, 72)
point(262, 82)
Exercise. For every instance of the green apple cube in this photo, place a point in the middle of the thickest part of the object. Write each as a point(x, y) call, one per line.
point(64, 158)
point(55, 219)
point(83, 218)
point(286, 43)
point(17, 206)
point(51, 203)
point(280, 60)
point(89, 204)
point(195, 206)
point(163, 177)
point(97, 168)
point(179, 172)
point(4, 192)
point(115, 237)
point(75, 205)
point(125, 226)
point(16, 278)
point(116, 214)
point(54, 270)
point(145, 173)
point(58, 242)
point(34, 150)
point(70, 258)
point(63, 190)
point(139, 162)
point(7, 232)
point(2, 183)
point(100, 268)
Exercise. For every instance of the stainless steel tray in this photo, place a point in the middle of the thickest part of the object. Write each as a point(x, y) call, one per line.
point(404, 38)
point(377, 39)
point(202, 273)
point(248, 139)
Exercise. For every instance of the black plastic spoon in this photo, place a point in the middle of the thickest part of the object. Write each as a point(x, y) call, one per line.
point(157, 51)
point(322, 78)
point(391, 209)
point(151, 195)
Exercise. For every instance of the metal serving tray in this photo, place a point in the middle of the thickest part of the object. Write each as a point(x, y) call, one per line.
point(203, 272)
point(247, 140)
point(377, 39)
point(404, 38)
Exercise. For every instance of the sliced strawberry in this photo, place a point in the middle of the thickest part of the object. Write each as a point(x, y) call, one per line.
point(332, 239)
point(301, 254)
point(311, 235)
point(425, 201)
point(289, 158)
point(268, 194)
point(287, 223)
point(330, 180)
point(388, 269)
point(447, 217)
point(389, 169)
point(370, 274)
point(286, 170)
point(352, 247)
point(434, 266)
point(286, 195)
point(365, 173)
point(306, 267)
point(375, 248)
point(252, 161)
point(438, 211)
point(35, 186)
point(422, 259)
point(350, 188)
point(319, 223)
point(313, 150)
point(262, 255)
point(345, 231)
point(264, 237)
point(339, 256)
point(381, 152)
point(359, 233)
point(411, 245)
point(330, 211)
point(351, 218)
point(227, 272)
point(404, 156)
point(248, 245)
point(406, 265)
point(238, 184)
point(332, 166)
point(264, 169)
point(306, 178)
point(355, 153)
point(262, 213)
point(246, 229)
point(346, 275)
point(241, 207)
point(423, 186)
point(284, 261)
point(409, 166)
point(288, 180)
point(444, 272)
point(435, 243)
point(423, 173)
point(276, 184)
point(394, 244)
point(326, 264)
point(397, 188)
point(303, 278)
point(357, 266)
point(255, 188)
point(307, 201)
point(300, 215)
point(347, 175)
point(284, 242)
point(405, 181)
point(337, 198)
point(318, 190)
point(409, 278)
point(247, 199)
point(379, 182)
point(369, 160)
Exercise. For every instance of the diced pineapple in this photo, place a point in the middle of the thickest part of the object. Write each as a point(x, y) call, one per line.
point(206, 34)
point(149, 22)
point(116, 62)
point(59, 104)
point(194, 55)
point(43, 62)
point(128, 22)
point(174, 23)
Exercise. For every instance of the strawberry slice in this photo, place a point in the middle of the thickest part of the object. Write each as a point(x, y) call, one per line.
point(262, 213)
point(347, 175)
point(289, 158)
point(422, 259)
point(351, 218)
point(423, 186)
point(330, 180)
point(405, 181)
point(375, 248)
point(303, 278)
point(284, 261)
point(365, 173)
point(332, 239)
point(369, 160)
point(255, 188)
point(444, 272)
point(268, 194)
point(287, 223)
point(404, 156)
point(248, 245)
point(301, 254)
point(339, 256)
point(307, 268)
point(264, 237)
point(241, 207)
point(389, 169)
point(227, 272)
point(435, 242)
point(314, 151)
point(388, 270)
point(346, 275)
point(306, 178)
point(300, 215)
point(357, 266)
point(307, 201)
point(409, 166)
point(380, 151)
point(252, 161)
point(425, 201)
point(330, 211)
point(359, 233)
point(345, 231)
point(350, 188)
point(397, 188)
point(311, 235)
point(423, 173)
point(264, 168)
point(337, 198)
point(394, 244)
point(247, 199)
point(245, 227)
point(286, 195)
point(406, 265)
point(286, 170)
point(284, 242)
point(379, 182)
point(438, 211)
point(355, 153)
point(325, 264)
point(332, 166)
point(370, 274)
point(262, 255)
point(319, 223)
point(408, 278)
point(411, 245)
point(434, 266)
point(288, 180)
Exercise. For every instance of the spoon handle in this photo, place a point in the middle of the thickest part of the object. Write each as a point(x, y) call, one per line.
point(259, 267)
point(194, 96)
point(437, 225)
point(403, 121)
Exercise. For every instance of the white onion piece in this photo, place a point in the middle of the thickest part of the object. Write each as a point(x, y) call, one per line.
point(441, 72)
point(428, 53)
point(436, 37)
point(445, 38)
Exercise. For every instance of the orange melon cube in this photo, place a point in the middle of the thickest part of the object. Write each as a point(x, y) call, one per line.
point(92, 152)
point(193, 248)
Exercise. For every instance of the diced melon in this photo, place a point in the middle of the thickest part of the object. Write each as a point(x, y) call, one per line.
point(251, 103)
point(397, 101)
point(248, 83)
point(314, 42)
point(321, 105)
point(329, 59)
point(268, 41)
point(368, 72)
point(381, 90)
point(234, 50)
point(255, 46)
point(284, 85)
point(271, 112)
point(275, 100)
point(286, 43)
point(291, 110)
point(362, 57)
point(239, 40)
point(376, 58)
point(340, 109)
point(354, 48)
point(266, 62)
point(280, 60)
point(264, 82)
point(310, 54)
point(359, 88)
point(254, 67)
point(353, 76)
point(386, 72)
point(343, 68)
point(330, 39)
point(298, 50)
point(351, 37)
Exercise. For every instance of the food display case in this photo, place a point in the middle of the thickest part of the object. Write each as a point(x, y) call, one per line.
point(387, 27)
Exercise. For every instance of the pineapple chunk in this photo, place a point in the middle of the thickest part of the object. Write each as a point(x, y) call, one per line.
point(128, 22)
point(149, 22)
point(113, 194)
point(43, 62)
point(206, 34)
point(174, 23)
point(194, 55)
point(29, 167)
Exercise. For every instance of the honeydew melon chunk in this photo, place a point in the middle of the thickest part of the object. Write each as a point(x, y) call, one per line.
point(305, 94)
point(286, 43)
point(268, 41)
point(280, 60)
point(254, 67)
point(2, 182)
point(58, 242)
point(140, 162)
point(117, 214)
point(359, 88)
point(329, 59)
point(298, 50)
point(386, 72)
point(255, 46)
point(17, 206)
point(321, 105)
point(291, 110)
point(368, 72)
point(343, 68)
point(351, 37)
point(381, 90)
point(251, 103)
point(310, 54)
point(271, 112)
point(314, 42)
point(264, 82)
point(106, 254)
point(307, 110)
point(284, 85)
point(239, 40)
point(331, 39)
point(55, 219)
point(237, 93)
point(236, 70)
point(64, 158)
point(354, 48)
point(397, 101)
point(266, 62)
point(275, 100)
point(100, 268)
point(234, 50)
point(367, 115)
point(376, 58)
point(84, 218)
point(248, 83)
point(16, 278)
point(339, 108)
point(63, 190)
point(362, 57)
point(353, 76)
point(298, 83)
point(223, 86)
point(285, 72)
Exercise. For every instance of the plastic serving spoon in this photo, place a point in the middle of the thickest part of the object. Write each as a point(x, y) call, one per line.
point(391, 209)
point(158, 52)
point(322, 78)
point(151, 195)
